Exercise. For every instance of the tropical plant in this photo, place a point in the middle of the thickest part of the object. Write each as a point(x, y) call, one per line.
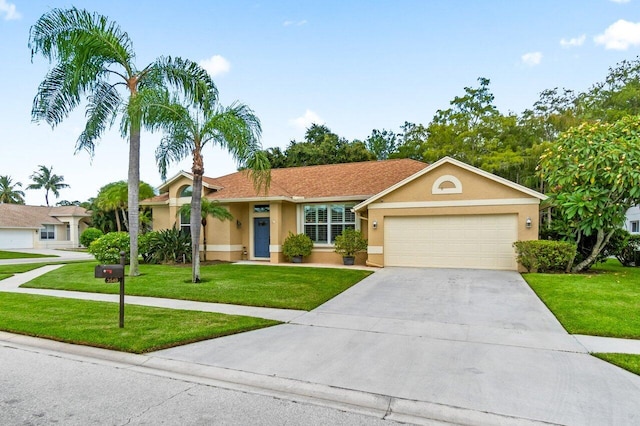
point(114, 197)
point(9, 192)
point(188, 129)
point(166, 246)
point(207, 208)
point(350, 242)
point(297, 245)
point(94, 59)
point(107, 248)
point(89, 235)
point(44, 178)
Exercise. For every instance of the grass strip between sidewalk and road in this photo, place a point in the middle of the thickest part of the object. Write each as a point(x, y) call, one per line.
point(627, 361)
point(94, 323)
point(19, 255)
point(284, 287)
point(602, 302)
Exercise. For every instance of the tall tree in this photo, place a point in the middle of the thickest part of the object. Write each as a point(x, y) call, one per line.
point(382, 143)
point(593, 174)
point(93, 59)
point(188, 129)
point(9, 192)
point(207, 208)
point(44, 178)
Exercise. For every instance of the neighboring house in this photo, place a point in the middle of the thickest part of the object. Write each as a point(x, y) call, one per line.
point(447, 214)
point(40, 226)
point(632, 222)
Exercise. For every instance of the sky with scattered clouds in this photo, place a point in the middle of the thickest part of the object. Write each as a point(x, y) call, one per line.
point(354, 65)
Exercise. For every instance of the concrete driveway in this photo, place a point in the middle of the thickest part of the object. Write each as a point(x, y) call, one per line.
point(478, 347)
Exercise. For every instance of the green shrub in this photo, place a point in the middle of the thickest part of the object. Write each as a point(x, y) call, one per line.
point(629, 255)
point(166, 246)
point(350, 242)
point(89, 235)
point(544, 255)
point(297, 245)
point(107, 248)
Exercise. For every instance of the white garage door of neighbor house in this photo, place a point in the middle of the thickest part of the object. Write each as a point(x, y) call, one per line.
point(16, 238)
point(474, 241)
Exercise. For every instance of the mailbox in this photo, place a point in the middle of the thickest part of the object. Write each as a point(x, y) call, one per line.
point(109, 271)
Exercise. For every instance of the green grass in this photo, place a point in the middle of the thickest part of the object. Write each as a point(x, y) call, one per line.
point(18, 255)
point(7, 271)
point(603, 302)
point(252, 285)
point(626, 361)
point(96, 323)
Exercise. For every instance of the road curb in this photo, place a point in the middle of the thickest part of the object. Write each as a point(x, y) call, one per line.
point(362, 402)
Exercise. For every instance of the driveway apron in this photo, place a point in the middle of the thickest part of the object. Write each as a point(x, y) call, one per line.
point(470, 339)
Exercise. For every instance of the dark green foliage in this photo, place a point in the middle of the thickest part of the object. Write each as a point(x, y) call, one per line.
point(89, 235)
point(629, 253)
point(107, 248)
point(545, 256)
point(297, 245)
point(166, 246)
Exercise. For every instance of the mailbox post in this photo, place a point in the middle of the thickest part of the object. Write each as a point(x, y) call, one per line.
point(113, 274)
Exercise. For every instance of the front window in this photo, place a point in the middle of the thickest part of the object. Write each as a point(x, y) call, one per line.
point(185, 222)
point(187, 191)
point(48, 232)
point(324, 222)
point(635, 226)
point(261, 208)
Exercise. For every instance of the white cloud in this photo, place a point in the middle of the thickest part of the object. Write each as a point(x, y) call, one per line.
point(306, 120)
point(9, 11)
point(573, 42)
point(620, 35)
point(215, 65)
point(294, 23)
point(532, 58)
point(621, 1)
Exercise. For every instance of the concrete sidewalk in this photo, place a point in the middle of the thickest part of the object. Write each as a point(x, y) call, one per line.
point(53, 256)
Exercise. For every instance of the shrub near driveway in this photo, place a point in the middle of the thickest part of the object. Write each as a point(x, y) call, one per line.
point(252, 285)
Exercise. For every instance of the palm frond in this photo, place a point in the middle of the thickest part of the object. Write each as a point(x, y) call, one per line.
point(102, 111)
point(194, 83)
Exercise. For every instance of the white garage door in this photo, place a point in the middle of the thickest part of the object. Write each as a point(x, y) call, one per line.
point(479, 241)
point(16, 238)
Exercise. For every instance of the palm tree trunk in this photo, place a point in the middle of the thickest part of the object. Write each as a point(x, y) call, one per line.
point(204, 239)
point(196, 213)
point(118, 221)
point(125, 222)
point(134, 189)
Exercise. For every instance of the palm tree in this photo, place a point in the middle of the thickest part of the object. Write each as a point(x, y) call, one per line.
point(8, 191)
point(208, 208)
point(114, 196)
point(188, 130)
point(45, 179)
point(94, 59)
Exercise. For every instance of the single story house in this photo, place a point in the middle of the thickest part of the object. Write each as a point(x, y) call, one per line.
point(447, 214)
point(41, 226)
point(632, 221)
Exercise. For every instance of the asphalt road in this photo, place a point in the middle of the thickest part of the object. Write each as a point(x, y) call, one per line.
point(39, 388)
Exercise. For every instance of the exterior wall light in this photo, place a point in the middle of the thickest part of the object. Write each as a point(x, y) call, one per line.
point(238, 224)
point(528, 222)
point(375, 224)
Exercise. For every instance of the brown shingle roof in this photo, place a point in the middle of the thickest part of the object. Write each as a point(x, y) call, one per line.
point(326, 181)
point(20, 216)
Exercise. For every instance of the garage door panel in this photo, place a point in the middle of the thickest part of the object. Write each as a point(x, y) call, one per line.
point(16, 238)
point(482, 241)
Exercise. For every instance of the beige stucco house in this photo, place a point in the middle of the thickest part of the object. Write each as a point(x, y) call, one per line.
point(25, 227)
point(447, 214)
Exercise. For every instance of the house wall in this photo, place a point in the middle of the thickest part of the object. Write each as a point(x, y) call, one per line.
point(633, 215)
point(478, 196)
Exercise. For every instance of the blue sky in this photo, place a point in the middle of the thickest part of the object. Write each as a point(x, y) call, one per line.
point(353, 65)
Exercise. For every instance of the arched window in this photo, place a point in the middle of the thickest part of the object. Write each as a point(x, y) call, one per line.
point(447, 184)
point(186, 191)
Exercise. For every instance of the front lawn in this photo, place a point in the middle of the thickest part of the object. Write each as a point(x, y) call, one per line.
point(19, 255)
point(603, 302)
point(626, 361)
point(96, 323)
point(253, 285)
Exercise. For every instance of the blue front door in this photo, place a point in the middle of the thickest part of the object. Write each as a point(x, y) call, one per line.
point(261, 237)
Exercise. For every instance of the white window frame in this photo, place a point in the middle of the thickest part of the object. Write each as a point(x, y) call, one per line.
point(330, 237)
point(635, 226)
point(49, 231)
point(185, 226)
